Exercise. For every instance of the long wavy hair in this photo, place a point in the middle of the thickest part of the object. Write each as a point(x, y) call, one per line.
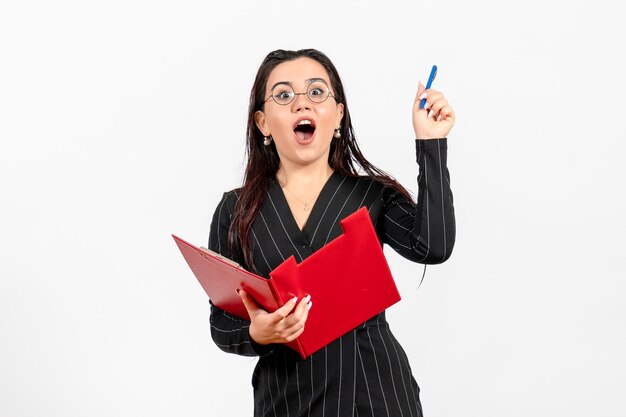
point(263, 161)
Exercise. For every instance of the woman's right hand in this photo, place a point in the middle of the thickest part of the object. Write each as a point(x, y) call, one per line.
point(282, 326)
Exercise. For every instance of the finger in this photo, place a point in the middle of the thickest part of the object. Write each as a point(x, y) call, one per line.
point(299, 316)
point(302, 308)
point(284, 311)
point(250, 303)
point(298, 313)
point(446, 113)
point(296, 330)
point(432, 97)
point(441, 115)
point(436, 107)
point(294, 335)
point(428, 95)
point(305, 315)
point(421, 89)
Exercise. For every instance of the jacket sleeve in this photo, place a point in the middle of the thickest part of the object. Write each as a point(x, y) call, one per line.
point(230, 333)
point(423, 232)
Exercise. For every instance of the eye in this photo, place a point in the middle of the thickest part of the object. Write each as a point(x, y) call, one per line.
point(317, 91)
point(283, 94)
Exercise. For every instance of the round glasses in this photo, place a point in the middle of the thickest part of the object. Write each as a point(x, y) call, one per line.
point(317, 92)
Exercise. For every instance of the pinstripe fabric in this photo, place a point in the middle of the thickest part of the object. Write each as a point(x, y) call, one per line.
point(365, 372)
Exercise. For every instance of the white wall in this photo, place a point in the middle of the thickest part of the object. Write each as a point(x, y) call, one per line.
point(123, 122)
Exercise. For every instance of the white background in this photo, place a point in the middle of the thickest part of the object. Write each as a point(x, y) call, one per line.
point(122, 122)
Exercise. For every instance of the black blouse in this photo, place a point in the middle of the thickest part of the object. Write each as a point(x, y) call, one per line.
point(366, 371)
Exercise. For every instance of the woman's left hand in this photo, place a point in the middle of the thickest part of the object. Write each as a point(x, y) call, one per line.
point(436, 119)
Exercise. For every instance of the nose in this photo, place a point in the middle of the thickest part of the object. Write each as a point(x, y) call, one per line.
point(301, 102)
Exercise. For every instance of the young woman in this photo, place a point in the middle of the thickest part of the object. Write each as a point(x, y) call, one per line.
point(304, 174)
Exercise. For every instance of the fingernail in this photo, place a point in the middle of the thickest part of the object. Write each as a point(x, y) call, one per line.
point(426, 106)
point(423, 96)
point(307, 298)
point(430, 113)
point(418, 84)
point(309, 304)
point(294, 299)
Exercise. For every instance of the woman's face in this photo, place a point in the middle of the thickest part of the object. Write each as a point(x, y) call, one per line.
point(302, 130)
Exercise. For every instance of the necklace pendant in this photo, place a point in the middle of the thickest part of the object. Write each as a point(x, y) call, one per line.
point(306, 207)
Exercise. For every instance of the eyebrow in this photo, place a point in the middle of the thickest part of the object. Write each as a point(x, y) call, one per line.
point(310, 80)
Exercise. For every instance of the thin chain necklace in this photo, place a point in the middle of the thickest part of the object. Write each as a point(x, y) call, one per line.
point(306, 203)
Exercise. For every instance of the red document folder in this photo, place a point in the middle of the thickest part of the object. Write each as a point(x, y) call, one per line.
point(348, 279)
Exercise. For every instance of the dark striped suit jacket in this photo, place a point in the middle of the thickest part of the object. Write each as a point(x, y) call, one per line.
point(365, 372)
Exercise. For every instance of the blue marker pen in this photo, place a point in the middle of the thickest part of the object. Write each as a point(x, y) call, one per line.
point(431, 77)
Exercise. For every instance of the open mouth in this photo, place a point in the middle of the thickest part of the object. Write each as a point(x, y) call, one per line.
point(304, 130)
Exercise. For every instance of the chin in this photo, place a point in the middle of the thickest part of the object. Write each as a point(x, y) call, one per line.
point(309, 155)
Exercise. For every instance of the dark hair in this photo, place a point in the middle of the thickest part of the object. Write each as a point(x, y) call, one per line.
point(263, 161)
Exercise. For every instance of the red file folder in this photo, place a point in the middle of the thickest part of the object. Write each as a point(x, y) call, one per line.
point(348, 279)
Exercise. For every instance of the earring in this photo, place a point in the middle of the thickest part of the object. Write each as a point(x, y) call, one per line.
point(267, 140)
point(337, 133)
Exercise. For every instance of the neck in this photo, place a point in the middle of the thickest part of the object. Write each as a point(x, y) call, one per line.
point(303, 177)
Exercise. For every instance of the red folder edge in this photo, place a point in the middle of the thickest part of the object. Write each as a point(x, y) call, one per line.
point(222, 292)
